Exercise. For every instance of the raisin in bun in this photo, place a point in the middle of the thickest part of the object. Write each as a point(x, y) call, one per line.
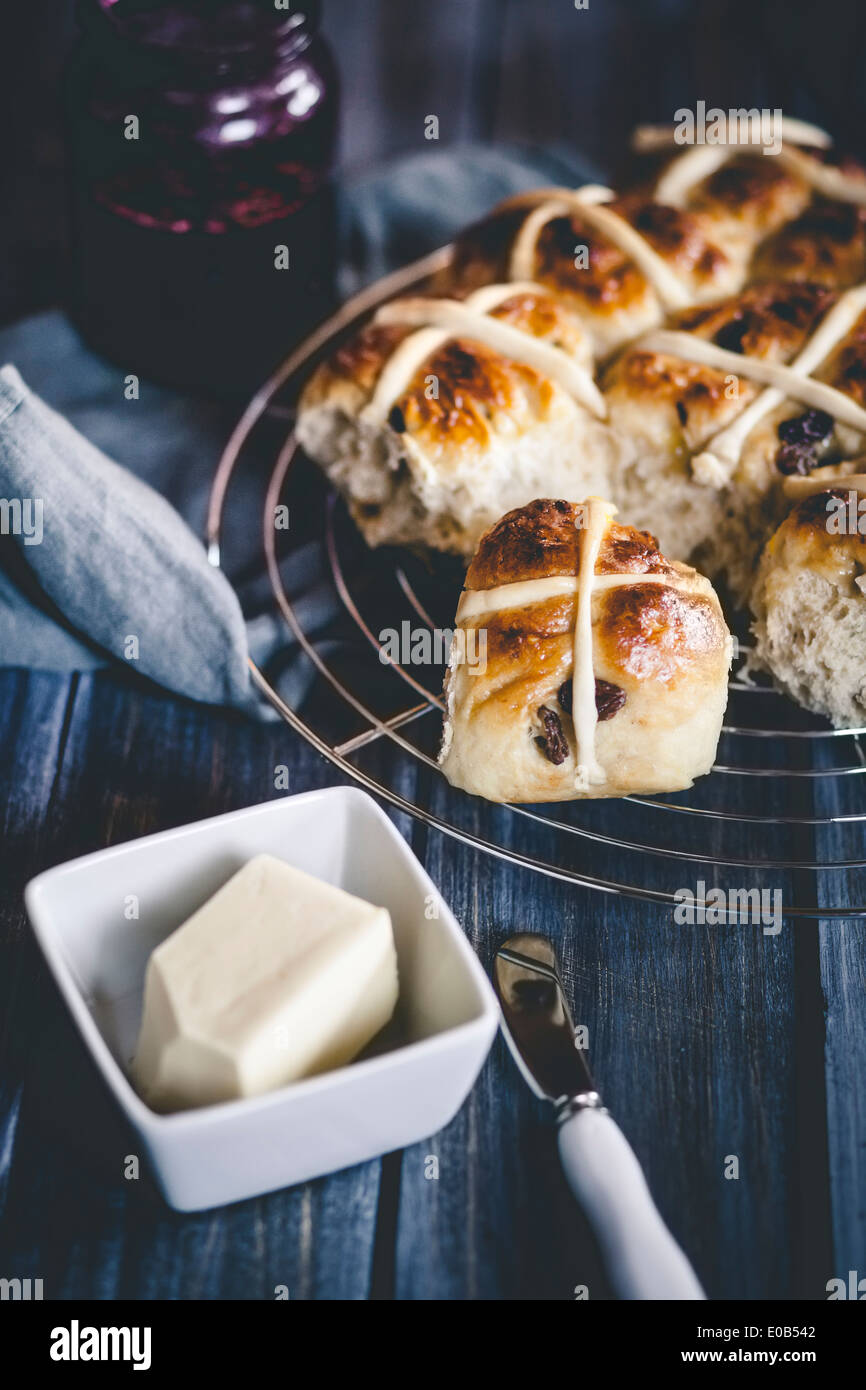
point(440, 414)
point(791, 441)
point(706, 448)
point(809, 598)
point(584, 663)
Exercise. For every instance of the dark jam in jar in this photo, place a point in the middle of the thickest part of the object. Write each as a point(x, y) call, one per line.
point(202, 138)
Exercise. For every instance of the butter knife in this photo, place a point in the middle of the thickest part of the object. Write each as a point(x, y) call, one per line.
point(642, 1258)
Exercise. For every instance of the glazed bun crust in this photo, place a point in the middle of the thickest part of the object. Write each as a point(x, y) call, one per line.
point(751, 196)
point(472, 380)
point(471, 432)
point(826, 245)
point(760, 249)
point(768, 321)
point(663, 411)
point(660, 657)
point(845, 368)
point(755, 503)
point(606, 292)
point(543, 539)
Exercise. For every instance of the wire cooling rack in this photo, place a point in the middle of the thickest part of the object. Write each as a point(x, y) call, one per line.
point(780, 818)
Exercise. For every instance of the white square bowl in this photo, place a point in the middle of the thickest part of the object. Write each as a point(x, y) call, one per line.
point(445, 1022)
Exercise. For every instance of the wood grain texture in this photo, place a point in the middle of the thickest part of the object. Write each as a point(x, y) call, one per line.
point(842, 949)
point(843, 980)
point(32, 717)
point(131, 763)
point(691, 1033)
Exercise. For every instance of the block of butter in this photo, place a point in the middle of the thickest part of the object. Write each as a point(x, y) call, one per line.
point(277, 977)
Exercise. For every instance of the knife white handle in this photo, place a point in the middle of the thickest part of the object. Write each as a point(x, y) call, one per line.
point(641, 1256)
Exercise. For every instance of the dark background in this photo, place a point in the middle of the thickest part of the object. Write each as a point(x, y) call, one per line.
point(524, 70)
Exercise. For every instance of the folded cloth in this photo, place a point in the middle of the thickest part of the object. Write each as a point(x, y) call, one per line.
point(100, 561)
point(113, 557)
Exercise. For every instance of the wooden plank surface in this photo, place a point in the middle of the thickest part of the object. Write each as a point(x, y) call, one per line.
point(692, 1033)
point(693, 1037)
point(843, 981)
point(126, 764)
point(843, 984)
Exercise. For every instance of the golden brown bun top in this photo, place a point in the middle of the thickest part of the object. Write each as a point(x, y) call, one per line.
point(654, 631)
point(542, 540)
point(811, 541)
point(610, 281)
point(824, 246)
point(362, 357)
point(754, 190)
point(806, 527)
point(771, 321)
point(846, 366)
point(474, 383)
point(641, 631)
point(679, 237)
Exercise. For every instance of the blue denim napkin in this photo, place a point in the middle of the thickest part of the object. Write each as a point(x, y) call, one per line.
point(101, 560)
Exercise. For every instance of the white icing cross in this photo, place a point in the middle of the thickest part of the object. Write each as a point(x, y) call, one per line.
point(797, 488)
point(441, 319)
point(594, 520)
point(715, 465)
point(699, 162)
point(588, 204)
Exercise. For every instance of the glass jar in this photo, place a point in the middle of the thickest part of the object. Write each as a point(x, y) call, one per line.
point(202, 138)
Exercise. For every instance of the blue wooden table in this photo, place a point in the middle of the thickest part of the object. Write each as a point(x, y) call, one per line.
point(709, 1042)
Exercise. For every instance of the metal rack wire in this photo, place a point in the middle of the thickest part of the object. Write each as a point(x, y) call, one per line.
point(782, 808)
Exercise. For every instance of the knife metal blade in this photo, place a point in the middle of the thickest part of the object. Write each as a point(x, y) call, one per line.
point(537, 1022)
